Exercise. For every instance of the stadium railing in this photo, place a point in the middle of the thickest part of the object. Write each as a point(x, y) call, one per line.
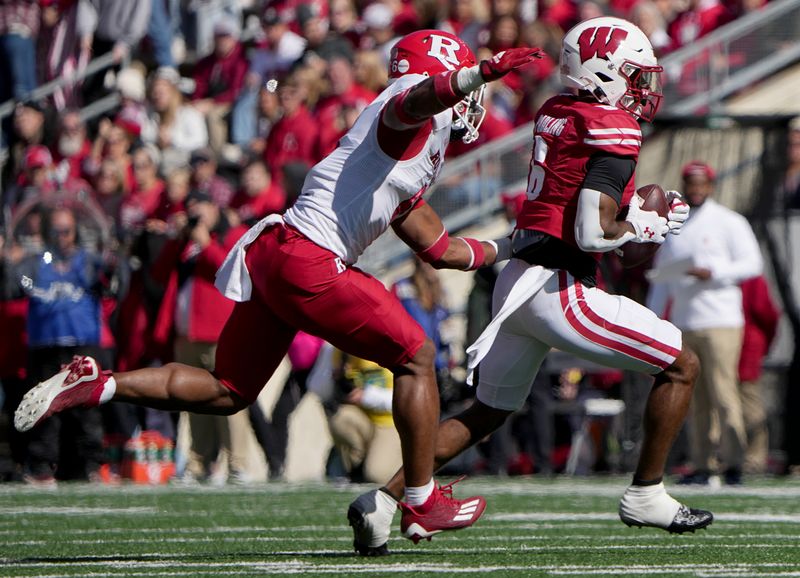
point(701, 75)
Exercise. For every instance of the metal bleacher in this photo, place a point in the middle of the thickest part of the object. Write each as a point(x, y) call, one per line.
point(700, 76)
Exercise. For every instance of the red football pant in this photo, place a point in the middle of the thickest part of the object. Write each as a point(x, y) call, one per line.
point(298, 285)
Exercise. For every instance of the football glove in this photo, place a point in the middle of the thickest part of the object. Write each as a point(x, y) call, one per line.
point(504, 62)
point(648, 226)
point(678, 212)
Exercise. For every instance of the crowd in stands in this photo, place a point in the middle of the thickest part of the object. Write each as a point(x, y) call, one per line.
point(220, 108)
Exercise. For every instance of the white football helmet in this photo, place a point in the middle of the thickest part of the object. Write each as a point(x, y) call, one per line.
point(614, 61)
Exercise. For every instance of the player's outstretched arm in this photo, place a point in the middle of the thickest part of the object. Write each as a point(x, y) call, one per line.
point(442, 91)
point(423, 231)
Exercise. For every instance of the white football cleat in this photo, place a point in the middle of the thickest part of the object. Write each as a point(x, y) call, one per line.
point(81, 383)
point(651, 506)
point(371, 516)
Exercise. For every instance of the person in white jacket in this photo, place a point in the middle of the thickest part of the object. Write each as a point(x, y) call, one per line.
point(718, 249)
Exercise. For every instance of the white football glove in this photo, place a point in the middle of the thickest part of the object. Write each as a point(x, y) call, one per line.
point(648, 226)
point(678, 212)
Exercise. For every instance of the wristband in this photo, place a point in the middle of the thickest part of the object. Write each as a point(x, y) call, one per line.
point(477, 252)
point(443, 89)
point(469, 79)
point(437, 249)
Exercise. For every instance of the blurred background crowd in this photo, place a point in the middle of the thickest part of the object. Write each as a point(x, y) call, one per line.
point(141, 138)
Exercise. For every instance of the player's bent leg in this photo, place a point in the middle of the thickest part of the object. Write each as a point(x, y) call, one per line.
point(646, 502)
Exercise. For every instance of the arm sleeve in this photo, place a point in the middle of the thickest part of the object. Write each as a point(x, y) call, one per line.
point(609, 174)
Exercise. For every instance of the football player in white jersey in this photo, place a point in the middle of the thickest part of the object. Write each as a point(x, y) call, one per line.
point(295, 272)
point(586, 145)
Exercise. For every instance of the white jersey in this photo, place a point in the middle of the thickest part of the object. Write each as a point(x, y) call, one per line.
point(351, 197)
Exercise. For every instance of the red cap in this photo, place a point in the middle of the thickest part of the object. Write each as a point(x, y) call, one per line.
point(698, 168)
point(37, 156)
point(126, 121)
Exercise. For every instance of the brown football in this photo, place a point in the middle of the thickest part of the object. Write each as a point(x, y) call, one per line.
point(653, 199)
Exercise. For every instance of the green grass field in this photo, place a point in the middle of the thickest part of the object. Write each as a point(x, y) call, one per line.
point(532, 527)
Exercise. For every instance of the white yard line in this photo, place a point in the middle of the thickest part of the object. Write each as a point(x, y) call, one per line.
point(609, 516)
point(179, 568)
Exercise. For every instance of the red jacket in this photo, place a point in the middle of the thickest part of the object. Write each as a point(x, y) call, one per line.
point(209, 309)
point(270, 200)
point(293, 138)
point(221, 78)
point(761, 317)
point(328, 112)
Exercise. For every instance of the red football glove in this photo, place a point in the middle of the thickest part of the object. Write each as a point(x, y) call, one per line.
point(504, 62)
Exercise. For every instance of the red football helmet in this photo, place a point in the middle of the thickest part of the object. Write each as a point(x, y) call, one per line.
point(430, 52)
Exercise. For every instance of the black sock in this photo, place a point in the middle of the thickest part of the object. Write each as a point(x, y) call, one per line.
point(386, 491)
point(637, 481)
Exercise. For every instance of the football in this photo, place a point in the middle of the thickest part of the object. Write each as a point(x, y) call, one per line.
point(653, 198)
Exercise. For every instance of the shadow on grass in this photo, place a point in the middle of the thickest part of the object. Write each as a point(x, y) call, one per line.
point(233, 556)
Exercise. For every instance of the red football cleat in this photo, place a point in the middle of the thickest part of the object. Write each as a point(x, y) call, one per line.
point(441, 512)
point(81, 383)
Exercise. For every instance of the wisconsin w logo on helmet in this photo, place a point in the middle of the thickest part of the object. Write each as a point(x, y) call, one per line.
point(600, 42)
point(612, 60)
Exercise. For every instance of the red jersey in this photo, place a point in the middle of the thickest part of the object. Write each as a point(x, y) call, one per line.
point(567, 132)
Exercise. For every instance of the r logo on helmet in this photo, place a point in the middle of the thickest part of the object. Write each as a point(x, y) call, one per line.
point(444, 50)
point(600, 42)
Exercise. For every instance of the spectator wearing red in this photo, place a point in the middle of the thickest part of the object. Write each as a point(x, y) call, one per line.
point(202, 242)
point(219, 78)
point(260, 195)
point(72, 147)
point(114, 141)
point(761, 316)
point(145, 196)
point(294, 136)
point(343, 92)
point(35, 180)
point(701, 17)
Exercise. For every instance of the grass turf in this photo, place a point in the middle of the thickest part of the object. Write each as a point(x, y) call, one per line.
point(532, 527)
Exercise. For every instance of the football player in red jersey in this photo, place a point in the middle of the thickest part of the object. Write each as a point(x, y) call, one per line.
point(294, 272)
point(585, 149)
